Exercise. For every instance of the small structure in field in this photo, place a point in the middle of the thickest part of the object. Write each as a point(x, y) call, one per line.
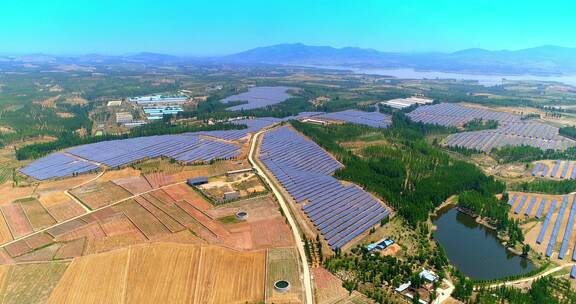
point(197, 181)
point(232, 195)
point(282, 285)
point(380, 245)
point(241, 215)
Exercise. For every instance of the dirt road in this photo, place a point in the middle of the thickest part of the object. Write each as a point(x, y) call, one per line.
point(284, 205)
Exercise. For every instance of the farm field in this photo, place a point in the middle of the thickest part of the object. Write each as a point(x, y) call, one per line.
point(29, 283)
point(282, 264)
point(175, 213)
point(99, 194)
point(182, 273)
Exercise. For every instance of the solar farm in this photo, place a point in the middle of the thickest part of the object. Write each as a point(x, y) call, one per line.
point(552, 235)
point(453, 115)
point(340, 212)
point(371, 119)
point(519, 134)
point(259, 97)
point(558, 169)
point(58, 165)
point(510, 132)
point(116, 153)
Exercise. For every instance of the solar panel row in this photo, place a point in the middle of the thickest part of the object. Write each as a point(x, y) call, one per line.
point(557, 224)
point(542, 170)
point(568, 230)
point(546, 222)
point(371, 119)
point(340, 212)
point(57, 165)
point(453, 115)
point(492, 139)
point(116, 153)
point(510, 132)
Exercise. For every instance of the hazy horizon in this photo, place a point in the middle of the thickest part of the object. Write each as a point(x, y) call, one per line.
point(226, 27)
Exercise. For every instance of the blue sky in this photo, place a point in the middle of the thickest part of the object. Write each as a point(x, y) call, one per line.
point(215, 27)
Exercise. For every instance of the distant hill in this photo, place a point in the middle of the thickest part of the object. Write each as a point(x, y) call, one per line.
point(539, 60)
point(544, 60)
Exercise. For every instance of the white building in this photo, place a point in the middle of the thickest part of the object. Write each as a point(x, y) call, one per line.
point(401, 103)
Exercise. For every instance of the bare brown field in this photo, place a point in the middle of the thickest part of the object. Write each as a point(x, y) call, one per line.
point(159, 179)
point(327, 286)
point(118, 174)
point(96, 278)
point(100, 194)
point(60, 206)
point(238, 277)
point(5, 235)
point(162, 274)
point(37, 215)
point(63, 184)
point(181, 192)
point(10, 193)
point(16, 220)
point(134, 184)
point(282, 264)
point(181, 274)
point(149, 225)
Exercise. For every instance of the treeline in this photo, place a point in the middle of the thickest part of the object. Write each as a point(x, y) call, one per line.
point(411, 175)
point(510, 154)
point(484, 204)
point(30, 120)
point(66, 140)
point(548, 186)
point(547, 290)
point(568, 132)
point(480, 124)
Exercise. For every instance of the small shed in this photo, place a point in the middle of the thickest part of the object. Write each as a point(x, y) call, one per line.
point(232, 195)
point(196, 181)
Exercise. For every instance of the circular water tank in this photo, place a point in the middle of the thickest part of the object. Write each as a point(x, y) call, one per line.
point(282, 286)
point(241, 215)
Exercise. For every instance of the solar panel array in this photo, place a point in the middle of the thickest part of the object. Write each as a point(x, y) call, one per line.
point(511, 130)
point(453, 115)
point(563, 169)
point(253, 125)
point(546, 222)
point(258, 97)
point(573, 272)
point(552, 241)
point(115, 153)
point(183, 148)
point(339, 212)
point(568, 231)
point(486, 140)
point(554, 215)
point(371, 119)
point(57, 165)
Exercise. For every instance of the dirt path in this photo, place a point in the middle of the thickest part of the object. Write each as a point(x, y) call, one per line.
point(299, 243)
point(444, 294)
point(532, 278)
point(67, 191)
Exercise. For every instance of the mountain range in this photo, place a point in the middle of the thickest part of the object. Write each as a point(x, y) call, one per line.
point(543, 60)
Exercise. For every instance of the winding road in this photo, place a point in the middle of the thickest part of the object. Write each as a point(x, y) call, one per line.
point(284, 205)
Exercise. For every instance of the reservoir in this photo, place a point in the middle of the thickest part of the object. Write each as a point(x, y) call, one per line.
point(474, 249)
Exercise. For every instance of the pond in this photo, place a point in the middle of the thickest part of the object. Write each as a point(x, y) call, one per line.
point(475, 249)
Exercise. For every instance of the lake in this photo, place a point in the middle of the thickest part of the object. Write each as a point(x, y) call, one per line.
point(474, 249)
point(482, 79)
